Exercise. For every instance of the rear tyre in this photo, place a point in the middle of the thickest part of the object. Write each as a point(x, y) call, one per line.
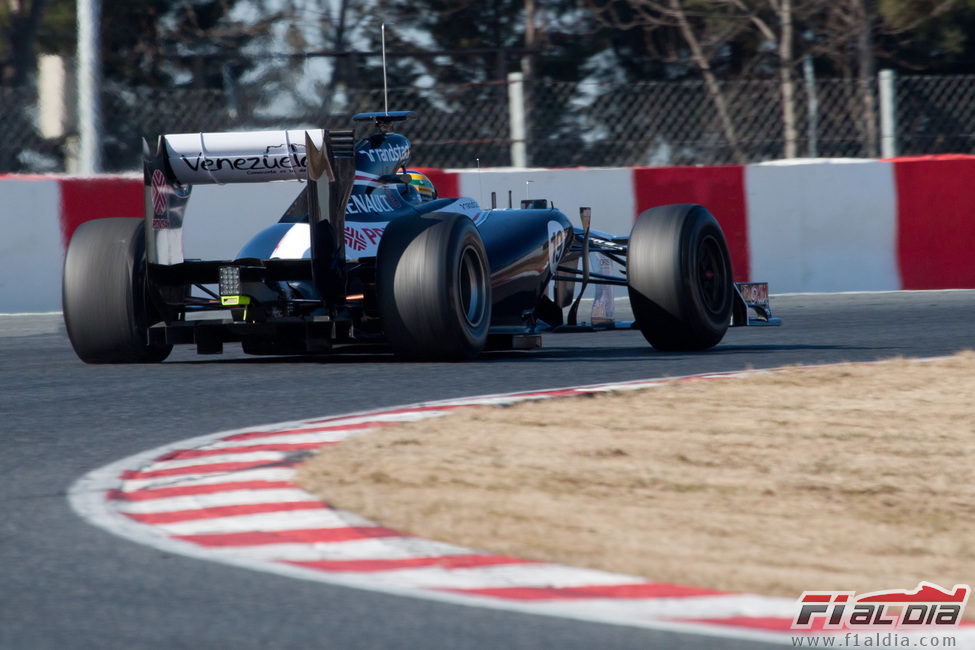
point(433, 286)
point(104, 294)
point(679, 278)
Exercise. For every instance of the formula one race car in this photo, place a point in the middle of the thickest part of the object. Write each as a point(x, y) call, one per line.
point(367, 254)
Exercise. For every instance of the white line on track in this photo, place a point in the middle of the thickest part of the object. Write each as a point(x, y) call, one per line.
point(384, 548)
point(248, 457)
point(260, 474)
point(289, 439)
point(550, 576)
point(217, 500)
point(265, 522)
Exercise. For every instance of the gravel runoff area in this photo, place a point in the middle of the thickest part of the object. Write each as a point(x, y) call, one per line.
point(853, 476)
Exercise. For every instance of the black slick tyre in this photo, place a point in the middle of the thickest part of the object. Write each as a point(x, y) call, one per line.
point(679, 278)
point(433, 285)
point(104, 294)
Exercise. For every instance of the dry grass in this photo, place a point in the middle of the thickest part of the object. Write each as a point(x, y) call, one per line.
point(853, 477)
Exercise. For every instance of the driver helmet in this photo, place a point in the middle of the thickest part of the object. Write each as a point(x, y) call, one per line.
point(423, 185)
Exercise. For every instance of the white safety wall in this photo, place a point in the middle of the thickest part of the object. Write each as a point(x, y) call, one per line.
point(823, 225)
point(31, 255)
point(609, 192)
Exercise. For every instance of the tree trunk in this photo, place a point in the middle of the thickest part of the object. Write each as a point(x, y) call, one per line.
point(710, 80)
point(865, 74)
point(341, 65)
point(787, 81)
point(527, 69)
point(24, 21)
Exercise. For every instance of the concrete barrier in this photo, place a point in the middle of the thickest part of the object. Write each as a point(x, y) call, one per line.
point(720, 189)
point(609, 192)
point(823, 225)
point(936, 221)
point(31, 251)
point(801, 225)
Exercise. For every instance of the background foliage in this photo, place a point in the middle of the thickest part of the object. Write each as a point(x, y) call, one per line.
point(178, 65)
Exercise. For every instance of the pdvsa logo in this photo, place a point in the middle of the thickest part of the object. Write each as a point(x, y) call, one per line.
point(360, 239)
point(927, 606)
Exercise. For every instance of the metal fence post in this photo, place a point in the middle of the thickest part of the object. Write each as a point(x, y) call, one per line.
point(89, 86)
point(888, 114)
point(516, 118)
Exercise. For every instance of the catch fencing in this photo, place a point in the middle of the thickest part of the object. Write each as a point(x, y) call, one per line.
point(589, 123)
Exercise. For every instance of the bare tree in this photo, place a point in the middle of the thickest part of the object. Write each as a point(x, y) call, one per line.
point(703, 64)
point(706, 25)
point(847, 37)
point(784, 10)
point(765, 18)
point(699, 36)
point(336, 25)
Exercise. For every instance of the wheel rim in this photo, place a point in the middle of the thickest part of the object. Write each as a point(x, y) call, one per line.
point(712, 280)
point(472, 284)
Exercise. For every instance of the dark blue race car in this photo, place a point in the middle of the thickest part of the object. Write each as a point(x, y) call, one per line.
point(369, 255)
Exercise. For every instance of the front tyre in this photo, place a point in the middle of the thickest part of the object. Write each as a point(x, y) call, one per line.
point(679, 278)
point(433, 286)
point(104, 294)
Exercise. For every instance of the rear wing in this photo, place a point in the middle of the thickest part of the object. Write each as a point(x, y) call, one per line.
point(248, 157)
point(323, 160)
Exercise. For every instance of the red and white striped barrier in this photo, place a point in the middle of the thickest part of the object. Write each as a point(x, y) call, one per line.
point(802, 225)
point(230, 497)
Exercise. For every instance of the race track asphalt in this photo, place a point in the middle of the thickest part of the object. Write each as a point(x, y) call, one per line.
point(67, 584)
